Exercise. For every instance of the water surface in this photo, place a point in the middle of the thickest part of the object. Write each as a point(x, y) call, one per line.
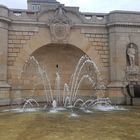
point(99, 125)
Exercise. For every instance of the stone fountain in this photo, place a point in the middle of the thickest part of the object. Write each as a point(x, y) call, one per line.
point(70, 97)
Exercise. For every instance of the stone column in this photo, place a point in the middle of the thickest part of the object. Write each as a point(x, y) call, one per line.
point(4, 86)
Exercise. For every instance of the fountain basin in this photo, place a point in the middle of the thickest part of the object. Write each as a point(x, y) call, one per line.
point(42, 125)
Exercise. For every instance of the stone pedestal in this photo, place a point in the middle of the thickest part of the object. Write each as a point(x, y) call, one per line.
point(128, 101)
point(133, 74)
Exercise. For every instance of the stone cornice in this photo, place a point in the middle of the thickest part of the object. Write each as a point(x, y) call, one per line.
point(124, 12)
point(29, 23)
point(5, 19)
point(44, 24)
point(115, 24)
point(123, 24)
point(90, 25)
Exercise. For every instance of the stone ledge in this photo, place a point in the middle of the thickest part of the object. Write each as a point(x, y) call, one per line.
point(115, 85)
point(118, 100)
point(136, 101)
point(5, 101)
point(4, 84)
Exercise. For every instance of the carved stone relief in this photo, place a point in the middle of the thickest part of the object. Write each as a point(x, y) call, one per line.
point(60, 26)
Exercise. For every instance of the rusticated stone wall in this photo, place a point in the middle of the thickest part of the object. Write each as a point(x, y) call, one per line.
point(100, 43)
point(16, 42)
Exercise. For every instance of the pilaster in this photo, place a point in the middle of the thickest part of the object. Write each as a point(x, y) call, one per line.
point(4, 86)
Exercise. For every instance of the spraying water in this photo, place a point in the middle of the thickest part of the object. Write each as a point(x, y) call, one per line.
point(69, 98)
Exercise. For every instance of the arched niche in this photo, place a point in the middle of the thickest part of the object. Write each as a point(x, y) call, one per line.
point(62, 57)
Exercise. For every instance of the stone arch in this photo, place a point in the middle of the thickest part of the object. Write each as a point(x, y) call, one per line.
point(43, 38)
point(58, 57)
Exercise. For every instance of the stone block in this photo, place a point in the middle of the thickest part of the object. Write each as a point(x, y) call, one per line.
point(94, 43)
point(97, 39)
point(93, 35)
point(18, 45)
point(25, 33)
point(106, 64)
point(128, 101)
point(5, 101)
point(104, 56)
point(104, 40)
point(11, 58)
point(10, 50)
point(91, 39)
point(4, 94)
point(11, 37)
point(20, 37)
point(17, 33)
point(12, 54)
point(31, 33)
point(87, 35)
point(27, 37)
point(106, 52)
point(99, 35)
point(105, 48)
point(10, 63)
point(118, 100)
point(136, 101)
point(10, 45)
point(23, 41)
point(100, 48)
point(16, 41)
point(16, 50)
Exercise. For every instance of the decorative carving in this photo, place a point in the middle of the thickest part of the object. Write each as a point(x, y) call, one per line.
point(60, 26)
point(133, 73)
point(133, 70)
